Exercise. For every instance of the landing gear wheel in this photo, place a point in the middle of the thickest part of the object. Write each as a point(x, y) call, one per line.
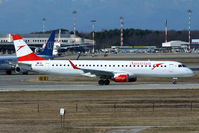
point(101, 82)
point(106, 82)
point(8, 72)
point(25, 73)
point(174, 80)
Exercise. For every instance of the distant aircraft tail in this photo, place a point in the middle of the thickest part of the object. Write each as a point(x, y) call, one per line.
point(59, 36)
point(23, 52)
point(48, 50)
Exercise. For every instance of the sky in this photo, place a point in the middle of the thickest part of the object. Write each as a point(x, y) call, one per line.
point(25, 16)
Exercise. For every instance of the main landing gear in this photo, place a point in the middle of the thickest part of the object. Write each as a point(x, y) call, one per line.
point(103, 82)
point(9, 72)
point(174, 80)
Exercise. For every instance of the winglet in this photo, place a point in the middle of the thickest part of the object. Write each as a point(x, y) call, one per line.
point(75, 67)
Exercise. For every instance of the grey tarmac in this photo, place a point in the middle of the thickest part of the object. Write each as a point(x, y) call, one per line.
point(19, 83)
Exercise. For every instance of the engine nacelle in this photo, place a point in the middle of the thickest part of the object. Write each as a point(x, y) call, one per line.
point(20, 70)
point(124, 78)
point(17, 69)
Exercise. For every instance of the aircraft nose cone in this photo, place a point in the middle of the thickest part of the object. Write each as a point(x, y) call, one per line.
point(190, 72)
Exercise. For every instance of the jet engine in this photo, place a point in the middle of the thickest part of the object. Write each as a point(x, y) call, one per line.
point(124, 78)
point(19, 69)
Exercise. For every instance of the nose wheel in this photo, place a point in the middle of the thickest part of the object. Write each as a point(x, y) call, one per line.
point(103, 82)
point(174, 80)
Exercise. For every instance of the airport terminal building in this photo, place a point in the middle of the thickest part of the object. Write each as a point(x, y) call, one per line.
point(68, 41)
point(182, 46)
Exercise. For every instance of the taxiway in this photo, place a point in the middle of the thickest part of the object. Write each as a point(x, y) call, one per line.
point(20, 83)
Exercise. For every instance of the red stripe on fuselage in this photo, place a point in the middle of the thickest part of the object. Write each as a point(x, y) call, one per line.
point(30, 57)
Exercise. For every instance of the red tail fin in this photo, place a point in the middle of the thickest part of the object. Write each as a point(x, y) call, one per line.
point(23, 52)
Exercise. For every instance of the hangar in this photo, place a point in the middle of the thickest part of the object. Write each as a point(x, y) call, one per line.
point(176, 46)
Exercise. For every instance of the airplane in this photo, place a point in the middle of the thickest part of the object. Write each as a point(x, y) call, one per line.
point(7, 63)
point(106, 70)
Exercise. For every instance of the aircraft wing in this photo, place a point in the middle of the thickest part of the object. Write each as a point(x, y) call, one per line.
point(99, 73)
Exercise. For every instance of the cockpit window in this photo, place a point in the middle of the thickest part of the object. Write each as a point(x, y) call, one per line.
point(181, 65)
point(184, 65)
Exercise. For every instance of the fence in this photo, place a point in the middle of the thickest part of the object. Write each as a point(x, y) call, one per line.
point(130, 106)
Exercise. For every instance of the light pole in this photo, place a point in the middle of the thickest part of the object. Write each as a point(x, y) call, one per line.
point(121, 31)
point(166, 31)
point(75, 12)
point(44, 20)
point(93, 26)
point(189, 12)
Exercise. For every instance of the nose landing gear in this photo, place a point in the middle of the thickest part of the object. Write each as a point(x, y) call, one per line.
point(174, 80)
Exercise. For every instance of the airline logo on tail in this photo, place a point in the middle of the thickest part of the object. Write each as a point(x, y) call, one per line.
point(20, 47)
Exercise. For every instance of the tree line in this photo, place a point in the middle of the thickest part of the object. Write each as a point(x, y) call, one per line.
point(135, 37)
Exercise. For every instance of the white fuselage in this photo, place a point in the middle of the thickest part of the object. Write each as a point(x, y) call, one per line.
point(134, 68)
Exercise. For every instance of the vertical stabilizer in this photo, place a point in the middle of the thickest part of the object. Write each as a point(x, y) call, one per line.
point(48, 50)
point(23, 52)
